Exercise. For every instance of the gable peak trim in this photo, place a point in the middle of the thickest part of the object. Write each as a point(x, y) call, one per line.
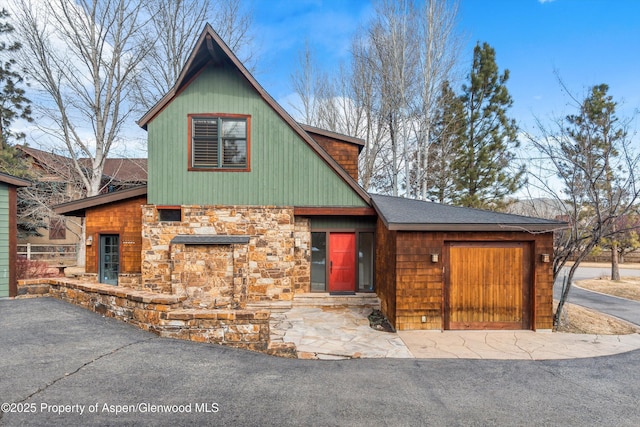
point(208, 40)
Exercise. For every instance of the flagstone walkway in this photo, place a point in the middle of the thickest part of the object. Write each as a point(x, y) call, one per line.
point(335, 333)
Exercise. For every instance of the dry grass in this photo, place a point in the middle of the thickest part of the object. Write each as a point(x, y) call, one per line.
point(580, 320)
point(627, 287)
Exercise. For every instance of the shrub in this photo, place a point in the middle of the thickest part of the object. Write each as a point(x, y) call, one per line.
point(31, 269)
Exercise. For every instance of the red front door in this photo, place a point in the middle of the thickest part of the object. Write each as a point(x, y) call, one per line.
point(342, 262)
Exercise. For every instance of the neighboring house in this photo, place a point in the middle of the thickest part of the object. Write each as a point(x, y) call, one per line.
point(8, 233)
point(121, 174)
point(247, 208)
point(58, 182)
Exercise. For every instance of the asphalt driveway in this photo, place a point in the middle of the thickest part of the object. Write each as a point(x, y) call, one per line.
point(619, 307)
point(62, 365)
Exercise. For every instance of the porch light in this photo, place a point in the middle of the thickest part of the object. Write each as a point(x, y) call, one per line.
point(545, 257)
point(434, 257)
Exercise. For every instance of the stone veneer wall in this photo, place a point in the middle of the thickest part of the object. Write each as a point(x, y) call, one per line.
point(271, 267)
point(302, 255)
point(208, 275)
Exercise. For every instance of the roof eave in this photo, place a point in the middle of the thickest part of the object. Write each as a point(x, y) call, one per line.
point(144, 121)
point(531, 228)
point(79, 207)
point(14, 180)
point(335, 135)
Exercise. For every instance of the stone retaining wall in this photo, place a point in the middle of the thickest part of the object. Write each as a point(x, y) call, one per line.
point(235, 328)
point(161, 313)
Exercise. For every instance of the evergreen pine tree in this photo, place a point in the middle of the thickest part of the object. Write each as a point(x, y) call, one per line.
point(13, 102)
point(446, 136)
point(595, 137)
point(484, 167)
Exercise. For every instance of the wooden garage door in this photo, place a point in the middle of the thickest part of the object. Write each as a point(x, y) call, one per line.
point(488, 286)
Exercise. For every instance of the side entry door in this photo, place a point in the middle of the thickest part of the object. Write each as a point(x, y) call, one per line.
point(109, 266)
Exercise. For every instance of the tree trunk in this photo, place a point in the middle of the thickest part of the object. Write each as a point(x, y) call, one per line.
point(564, 294)
point(568, 283)
point(81, 253)
point(615, 267)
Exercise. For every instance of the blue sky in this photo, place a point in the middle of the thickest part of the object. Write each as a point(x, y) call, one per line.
point(588, 42)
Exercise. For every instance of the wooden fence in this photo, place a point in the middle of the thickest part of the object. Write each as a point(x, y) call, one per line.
point(51, 254)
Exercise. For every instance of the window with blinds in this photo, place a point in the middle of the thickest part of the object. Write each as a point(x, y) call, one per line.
point(219, 143)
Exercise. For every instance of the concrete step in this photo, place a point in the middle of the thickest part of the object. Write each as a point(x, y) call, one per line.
point(274, 306)
point(326, 300)
point(318, 299)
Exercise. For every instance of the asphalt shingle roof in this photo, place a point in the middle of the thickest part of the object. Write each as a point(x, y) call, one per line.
point(406, 214)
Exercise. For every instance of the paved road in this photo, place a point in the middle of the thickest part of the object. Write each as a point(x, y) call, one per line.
point(591, 272)
point(52, 353)
point(619, 307)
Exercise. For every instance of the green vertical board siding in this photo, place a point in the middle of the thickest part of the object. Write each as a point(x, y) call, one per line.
point(285, 171)
point(4, 240)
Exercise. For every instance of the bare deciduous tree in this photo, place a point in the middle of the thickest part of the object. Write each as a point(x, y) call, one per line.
point(88, 60)
point(83, 58)
point(233, 21)
point(387, 94)
point(367, 101)
point(439, 47)
point(175, 25)
point(393, 38)
point(305, 81)
point(591, 156)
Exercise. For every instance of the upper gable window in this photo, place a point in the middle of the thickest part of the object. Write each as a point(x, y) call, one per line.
point(219, 142)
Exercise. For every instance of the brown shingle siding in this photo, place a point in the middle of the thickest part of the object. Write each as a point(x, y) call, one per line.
point(346, 154)
point(123, 218)
point(419, 283)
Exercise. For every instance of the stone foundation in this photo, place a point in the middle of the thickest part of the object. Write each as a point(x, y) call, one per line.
point(130, 280)
point(234, 328)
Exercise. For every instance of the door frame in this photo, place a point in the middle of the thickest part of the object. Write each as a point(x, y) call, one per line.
point(328, 232)
point(353, 265)
point(100, 255)
point(528, 279)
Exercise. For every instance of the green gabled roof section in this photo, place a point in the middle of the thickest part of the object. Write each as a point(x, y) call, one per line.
point(287, 167)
